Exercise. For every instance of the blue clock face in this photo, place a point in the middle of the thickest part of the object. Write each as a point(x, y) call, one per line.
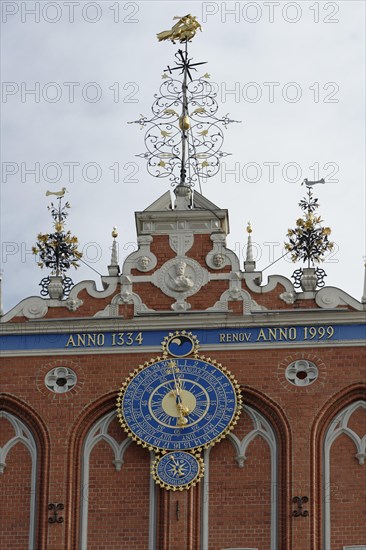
point(179, 404)
point(178, 470)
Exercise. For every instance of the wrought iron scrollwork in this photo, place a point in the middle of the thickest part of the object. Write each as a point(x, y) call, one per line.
point(184, 137)
point(66, 282)
point(296, 276)
point(300, 512)
point(57, 250)
point(55, 508)
point(319, 273)
point(44, 286)
point(309, 241)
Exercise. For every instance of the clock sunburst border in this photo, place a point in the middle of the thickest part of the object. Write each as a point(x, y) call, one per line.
point(198, 449)
point(186, 486)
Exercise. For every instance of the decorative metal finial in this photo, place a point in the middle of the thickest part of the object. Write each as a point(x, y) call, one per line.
point(113, 268)
point(249, 264)
point(309, 241)
point(184, 136)
point(57, 251)
point(363, 299)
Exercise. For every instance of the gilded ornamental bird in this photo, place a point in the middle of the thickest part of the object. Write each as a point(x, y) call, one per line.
point(184, 29)
point(57, 193)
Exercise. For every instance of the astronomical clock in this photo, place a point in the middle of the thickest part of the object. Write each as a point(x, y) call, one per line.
point(177, 405)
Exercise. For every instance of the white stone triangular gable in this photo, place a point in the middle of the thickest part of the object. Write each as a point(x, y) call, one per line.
point(165, 201)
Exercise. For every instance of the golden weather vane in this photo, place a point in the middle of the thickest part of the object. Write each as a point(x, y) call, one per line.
point(185, 29)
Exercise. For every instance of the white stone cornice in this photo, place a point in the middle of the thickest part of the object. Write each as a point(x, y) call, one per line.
point(176, 221)
point(210, 319)
point(156, 350)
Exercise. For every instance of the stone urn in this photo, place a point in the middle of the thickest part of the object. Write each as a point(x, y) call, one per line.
point(309, 279)
point(55, 288)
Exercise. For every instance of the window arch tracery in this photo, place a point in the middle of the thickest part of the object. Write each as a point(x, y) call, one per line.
point(260, 428)
point(97, 433)
point(24, 436)
point(338, 426)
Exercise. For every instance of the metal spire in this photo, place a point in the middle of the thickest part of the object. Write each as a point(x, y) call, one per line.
point(113, 268)
point(184, 122)
point(184, 136)
point(249, 264)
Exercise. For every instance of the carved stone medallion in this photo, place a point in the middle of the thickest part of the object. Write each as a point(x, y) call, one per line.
point(180, 277)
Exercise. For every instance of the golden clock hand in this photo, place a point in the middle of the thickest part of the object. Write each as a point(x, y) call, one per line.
point(173, 459)
point(181, 408)
point(173, 366)
point(178, 388)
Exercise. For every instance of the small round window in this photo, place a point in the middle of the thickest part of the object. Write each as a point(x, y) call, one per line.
point(60, 380)
point(301, 373)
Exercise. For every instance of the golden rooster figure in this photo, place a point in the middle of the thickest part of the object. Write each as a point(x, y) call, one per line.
point(185, 29)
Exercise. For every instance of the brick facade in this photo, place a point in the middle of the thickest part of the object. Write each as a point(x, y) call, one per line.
point(244, 501)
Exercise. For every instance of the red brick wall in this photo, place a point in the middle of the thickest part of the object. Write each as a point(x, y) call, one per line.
point(261, 372)
point(118, 501)
point(15, 490)
point(239, 498)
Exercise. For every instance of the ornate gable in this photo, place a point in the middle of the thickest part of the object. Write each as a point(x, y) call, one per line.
point(182, 264)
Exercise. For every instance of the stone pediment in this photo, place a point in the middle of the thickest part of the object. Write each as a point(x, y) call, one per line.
point(165, 203)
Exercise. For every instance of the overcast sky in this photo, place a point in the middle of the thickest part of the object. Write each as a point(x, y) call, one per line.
point(292, 72)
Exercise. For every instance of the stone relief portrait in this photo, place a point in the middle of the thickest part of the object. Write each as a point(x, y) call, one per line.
point(178, 279)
